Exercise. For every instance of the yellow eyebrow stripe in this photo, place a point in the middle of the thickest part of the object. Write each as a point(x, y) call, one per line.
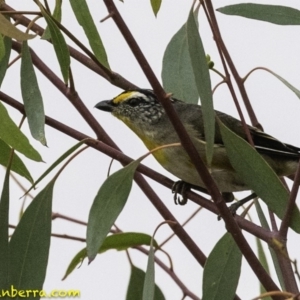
point(122, 97)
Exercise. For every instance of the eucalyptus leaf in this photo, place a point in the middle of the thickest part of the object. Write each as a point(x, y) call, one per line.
point(222, 270)
point(135, 286)
point(4, 248)
point(276, 14)
point(56, 15)
point(32, 97)
point(59, 44)
point(30, 243)
point(258, 175)
point(108, 204)
point(118, 241)
point(17, 164)
point(13, 136)
point(5, 59)
point(2, 47)
point(84, 18)
point(155, 4)
point(203, 84)
point(264, 224)
point(55, 164)
point(177, 71)
point(149, 283)
point(286, 83)
point(8, 29)
point(264, 262)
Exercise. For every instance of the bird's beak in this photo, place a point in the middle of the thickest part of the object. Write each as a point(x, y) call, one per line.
point(106, 105)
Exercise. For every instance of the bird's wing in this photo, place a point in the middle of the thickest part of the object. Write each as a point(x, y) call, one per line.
point(263, 142)
point(267, 144)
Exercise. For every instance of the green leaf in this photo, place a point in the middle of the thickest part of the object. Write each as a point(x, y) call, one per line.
point(59, 44)
point(56, 163)
point(258, 175)
point(264, 224)
point(155, 4)
point(261, 216)
point(84, 18)
point(30, 242)
point(203, 84)
point(118, 241)
point(2, 47)
point(8, 29)
point(263, 260)
point(125, 240)
point(177, 71)
point(149, 283)
point(4, 249)
point(12, 135)
point(5, 59)
point(222, 270)
point(276, 14)
point(135, 286)
point(56, 15)
point(291, 87)
point(32, 97)
point(17, 164)
point(107, 206)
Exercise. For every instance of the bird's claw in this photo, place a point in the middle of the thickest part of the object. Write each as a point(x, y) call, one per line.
point(180, 187)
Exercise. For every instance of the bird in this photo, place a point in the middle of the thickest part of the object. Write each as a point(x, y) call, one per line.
point(141, 111)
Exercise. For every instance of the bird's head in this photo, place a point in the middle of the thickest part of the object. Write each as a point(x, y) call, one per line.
point(135, 108)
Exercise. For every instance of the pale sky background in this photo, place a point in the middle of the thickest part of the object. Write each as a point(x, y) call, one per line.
point(251, 44)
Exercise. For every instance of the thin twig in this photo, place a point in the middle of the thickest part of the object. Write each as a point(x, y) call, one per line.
point(56, 215)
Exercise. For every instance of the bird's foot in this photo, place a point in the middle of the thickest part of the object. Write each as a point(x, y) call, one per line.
point(180, 187)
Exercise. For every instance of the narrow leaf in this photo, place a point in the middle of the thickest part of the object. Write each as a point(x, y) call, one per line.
point(17, 164)
point(118, 241)
point(135, 287)
point(13, 136)
point(84, 18)
point(56, 15)
point(8, 29)
point(276, 14)
point(258, 175)
point(2, 47)
point(177, 71)
point(261, 216)
point(222, 270)
point(155, 4)
point(59, 43)
point(30, 242)
point(291, 87)
point(4, 249)
point(125, 240)
point(5, 59)
point(263, 260)
point(149, 283)
point(203, 84)
point(264, 224)
point(107, 206)
point(56, 163)
point(32, 97)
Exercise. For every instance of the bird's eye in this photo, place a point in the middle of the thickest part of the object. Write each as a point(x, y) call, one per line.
point(133, 102)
